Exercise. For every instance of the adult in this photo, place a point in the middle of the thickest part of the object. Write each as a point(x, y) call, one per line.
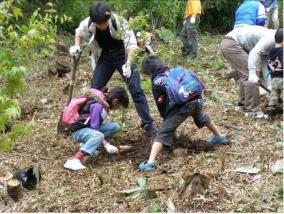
point(112, 44)
point(250, 12)
point(242, 48)
point(271, 9)
point(189, 29)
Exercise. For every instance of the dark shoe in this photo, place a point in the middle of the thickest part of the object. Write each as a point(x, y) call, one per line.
point(184, 52)
point(150, 130)
point(272, 110)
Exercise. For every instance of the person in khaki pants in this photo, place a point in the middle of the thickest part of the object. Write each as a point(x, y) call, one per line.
point(188, 33)
point(242, 48)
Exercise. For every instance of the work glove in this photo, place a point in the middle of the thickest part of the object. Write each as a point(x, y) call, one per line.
point(253, 78)
point(126, 70)
point(110, 148)
point(192, 20)
point(75, 50)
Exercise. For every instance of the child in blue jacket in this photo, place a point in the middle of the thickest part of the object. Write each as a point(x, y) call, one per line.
point(173, 115)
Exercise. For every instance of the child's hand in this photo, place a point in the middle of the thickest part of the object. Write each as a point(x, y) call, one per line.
point(110, 148)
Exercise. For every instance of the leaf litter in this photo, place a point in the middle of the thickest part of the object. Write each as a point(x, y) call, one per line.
point(252, 142)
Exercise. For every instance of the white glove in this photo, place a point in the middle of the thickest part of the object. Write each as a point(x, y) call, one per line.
point(111, 149)
point(75, 50)
point(126, 70)
point(253, 78)
point(267, 10)
point(192, 20)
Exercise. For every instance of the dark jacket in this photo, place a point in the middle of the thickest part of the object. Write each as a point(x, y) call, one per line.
point(275, 62)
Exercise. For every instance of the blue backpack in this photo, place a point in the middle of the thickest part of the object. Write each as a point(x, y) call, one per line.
point(182, 86)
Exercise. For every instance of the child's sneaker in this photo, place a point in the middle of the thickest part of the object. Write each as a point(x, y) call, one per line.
point(218, 140)
point(256, 114)
point(74, 164)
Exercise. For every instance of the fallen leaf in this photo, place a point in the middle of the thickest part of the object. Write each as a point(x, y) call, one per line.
point(248, 170)
point(170, 206)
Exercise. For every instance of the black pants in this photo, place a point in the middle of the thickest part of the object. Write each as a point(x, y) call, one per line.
point(107, 64)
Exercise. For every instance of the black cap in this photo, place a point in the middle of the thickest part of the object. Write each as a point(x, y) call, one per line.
point(99, 13)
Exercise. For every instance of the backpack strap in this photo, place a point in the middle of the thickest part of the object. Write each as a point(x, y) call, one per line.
point(114, 24)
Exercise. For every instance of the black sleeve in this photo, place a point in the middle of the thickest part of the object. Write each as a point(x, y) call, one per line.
point(160, 92)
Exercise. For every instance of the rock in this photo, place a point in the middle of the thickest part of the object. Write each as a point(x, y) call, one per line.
point(248, 170)
point(279, 144)
point(277, 167)
point(180, 152)
point(45, 100)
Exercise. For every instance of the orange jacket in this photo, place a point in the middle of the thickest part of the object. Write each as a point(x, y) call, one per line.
point(193, 8)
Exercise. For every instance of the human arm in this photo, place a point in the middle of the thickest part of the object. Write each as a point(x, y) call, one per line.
point(95, 115)
point(81, 32)
point(272, 5)
point(160, 97)
point(261, 15)
point(126, 34)
point(260, 49)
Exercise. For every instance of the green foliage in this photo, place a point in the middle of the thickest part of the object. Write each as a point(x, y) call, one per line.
point(139, 22)
point(218, 16)
point(165, 34)
point(154, 208)
point(146, 85)
point(18, 130)
point(138, 191)
point(20, 44)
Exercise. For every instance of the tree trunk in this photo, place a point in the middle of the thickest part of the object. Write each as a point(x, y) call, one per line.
point(4, 177)
point(14, 189)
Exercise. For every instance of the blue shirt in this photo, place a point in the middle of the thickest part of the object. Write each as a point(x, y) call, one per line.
point(250, 13)
point(271, 4)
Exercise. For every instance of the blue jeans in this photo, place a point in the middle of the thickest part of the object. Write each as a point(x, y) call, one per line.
point(107, 64)
point(92, 139)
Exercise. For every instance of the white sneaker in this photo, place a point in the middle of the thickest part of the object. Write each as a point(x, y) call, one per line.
point(257, 114)
point(74, 164)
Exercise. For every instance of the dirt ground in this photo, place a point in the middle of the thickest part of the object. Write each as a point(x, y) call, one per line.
point(252, 143)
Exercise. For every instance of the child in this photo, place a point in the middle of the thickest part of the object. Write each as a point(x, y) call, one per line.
point(173, 116)
point(144, 40)
point(94, 133)
point(275, 66)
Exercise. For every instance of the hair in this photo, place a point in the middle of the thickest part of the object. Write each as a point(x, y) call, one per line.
point(152, 64)
point(120, 94)
point(279, 35)
point(99, 13)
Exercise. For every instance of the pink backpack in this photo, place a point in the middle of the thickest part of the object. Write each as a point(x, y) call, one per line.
point(70, 113)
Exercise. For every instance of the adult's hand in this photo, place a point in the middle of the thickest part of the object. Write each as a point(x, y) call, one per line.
point(192, 20)
point(253, 78)
point(126, 70)
point(75, 50)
